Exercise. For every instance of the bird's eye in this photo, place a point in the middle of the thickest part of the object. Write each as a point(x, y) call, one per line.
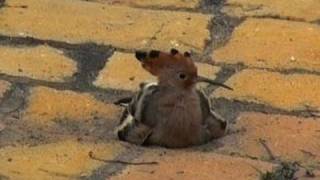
point(182, 76)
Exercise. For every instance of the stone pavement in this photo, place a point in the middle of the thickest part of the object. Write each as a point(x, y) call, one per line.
point(63, 63)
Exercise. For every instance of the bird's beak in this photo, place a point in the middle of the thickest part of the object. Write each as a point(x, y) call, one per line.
point(210, 81)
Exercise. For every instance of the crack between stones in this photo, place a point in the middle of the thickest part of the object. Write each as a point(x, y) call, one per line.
point(167, 8)
point(317, 22)
point(19, 7)
point(2, 3)
point(112, 169)
point(221, 27)
point(245, 8)
point(270, 16)
point(154, 36)
point(278, 17)
point(106, 95)
point(14, 99)
point(290, 71)
point(90, 58)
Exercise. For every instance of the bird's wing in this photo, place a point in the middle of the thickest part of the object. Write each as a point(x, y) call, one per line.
point(215, 123)
point(131, 127)
point(124, 102)
point(138, 104)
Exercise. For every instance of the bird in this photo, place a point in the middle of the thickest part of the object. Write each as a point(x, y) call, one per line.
point(171, 112)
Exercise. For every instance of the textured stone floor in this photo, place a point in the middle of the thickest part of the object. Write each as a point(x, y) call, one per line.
point(64, 62)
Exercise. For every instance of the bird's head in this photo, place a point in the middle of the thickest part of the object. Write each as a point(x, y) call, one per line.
point(173, 69)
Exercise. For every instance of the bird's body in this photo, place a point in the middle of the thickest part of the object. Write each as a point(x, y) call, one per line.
point(179, 113)
point(170, 115)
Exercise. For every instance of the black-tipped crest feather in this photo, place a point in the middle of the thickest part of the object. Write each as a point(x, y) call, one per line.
point(154, 54)
point(140, 55)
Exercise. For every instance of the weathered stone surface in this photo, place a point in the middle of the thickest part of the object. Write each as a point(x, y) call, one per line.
point(40, 62)
point(4, 87)
point(288, 138)
point(307, 10)
point(77, 21)
point(193, 165)
point(124, 72)
point(62, 160)
point(289, 92)
point(154, 3)
point(276, 44)
point(47, 105)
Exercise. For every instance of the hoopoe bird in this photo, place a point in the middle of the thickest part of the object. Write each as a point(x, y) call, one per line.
point(171, 112)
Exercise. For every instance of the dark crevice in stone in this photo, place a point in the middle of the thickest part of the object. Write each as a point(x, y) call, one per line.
point(105, 95)
point(167, 8)
point(290, 71)
point(14, 99)
point(34, 82)
point(230, 109)
point(317, 22)
point(154, 36)
point(212, 5)
point(275, 70)
point(221, 26)
point(112, 169)
point(245, 8)
point(57, 174)
point(21, 6)
point(270, 16)
point(278, 17)
point(90, 58)
point(123, 50)
point(3, 177)
point(222, 29)
point(30, 41)
point(2, 3)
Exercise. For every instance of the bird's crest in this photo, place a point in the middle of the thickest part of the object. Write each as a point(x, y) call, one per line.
point(173, 68)
point(153, 61)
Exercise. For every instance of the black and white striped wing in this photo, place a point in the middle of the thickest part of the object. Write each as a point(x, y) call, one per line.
point(131, 127)
point(212, 120)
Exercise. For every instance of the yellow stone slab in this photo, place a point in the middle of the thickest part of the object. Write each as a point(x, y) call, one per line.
point(4, 87)
point(289, 138)
point(79, 21)
point(62, 160)
point(154, 3)
point(289, 92)
point(307, 10)
point(123, 71)
point(276, 44)
point(186, 165)
point(46, 105)
point(40, 62)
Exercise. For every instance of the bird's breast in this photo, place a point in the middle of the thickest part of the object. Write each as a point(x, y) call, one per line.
point(181, 114)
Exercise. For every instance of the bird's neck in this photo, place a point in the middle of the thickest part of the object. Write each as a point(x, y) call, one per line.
point(176, 90)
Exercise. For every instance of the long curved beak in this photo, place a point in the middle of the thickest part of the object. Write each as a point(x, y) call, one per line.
point(210, 81)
